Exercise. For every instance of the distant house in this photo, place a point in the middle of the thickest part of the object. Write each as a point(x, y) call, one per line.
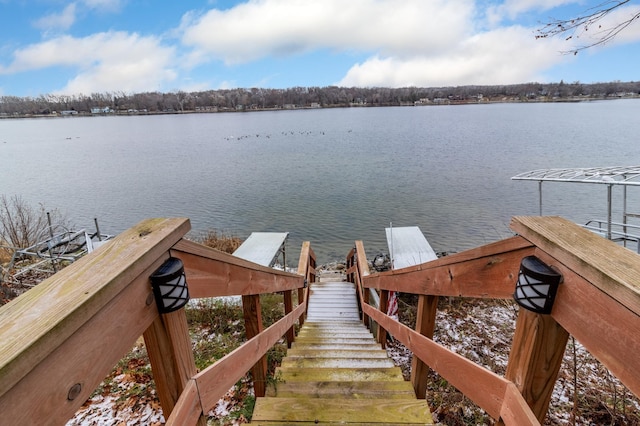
point(69, 112)
point(98, 110)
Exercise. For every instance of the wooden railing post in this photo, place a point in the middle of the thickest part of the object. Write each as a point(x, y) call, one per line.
point(539, 343)
point(288, 308)
point(425, 325)
point(170, 352)
point(253, 326)
point(382, 333)
point(306, 268)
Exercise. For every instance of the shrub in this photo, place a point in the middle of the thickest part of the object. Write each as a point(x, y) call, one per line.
point(219, 241)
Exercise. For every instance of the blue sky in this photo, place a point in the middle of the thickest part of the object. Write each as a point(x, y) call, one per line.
point(91, 46)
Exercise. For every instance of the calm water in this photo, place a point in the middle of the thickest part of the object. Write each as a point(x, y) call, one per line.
point(328, 176)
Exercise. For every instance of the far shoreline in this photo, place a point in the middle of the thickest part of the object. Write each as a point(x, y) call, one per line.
point(290, 107)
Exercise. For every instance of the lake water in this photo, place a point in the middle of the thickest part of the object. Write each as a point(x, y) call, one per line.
point(330, 176)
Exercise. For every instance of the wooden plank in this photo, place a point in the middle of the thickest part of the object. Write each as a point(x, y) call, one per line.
point(57, 386)
point(340, 353)
point(36, 323)
point(425, 325)
point(608, 266)
point(269, 423)
point(396, 411)
point(188, 410)
point(324, 362)
point(611, 334)
point(482, 386)
point(536, 356)
point(515, 410)
point(217, 379)
point(489, 271)
point(353, 390)
point(212, 273)
point(289, 374)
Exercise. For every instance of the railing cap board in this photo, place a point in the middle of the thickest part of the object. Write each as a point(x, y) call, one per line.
point(35, 323)
point(612, 268)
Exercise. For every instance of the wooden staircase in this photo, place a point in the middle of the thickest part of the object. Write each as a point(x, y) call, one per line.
point(335, 372)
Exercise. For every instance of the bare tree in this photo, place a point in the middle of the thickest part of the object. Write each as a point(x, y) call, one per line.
point(574, 28)
point(22, 225)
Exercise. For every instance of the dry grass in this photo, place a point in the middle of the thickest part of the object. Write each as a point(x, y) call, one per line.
point(219, 240)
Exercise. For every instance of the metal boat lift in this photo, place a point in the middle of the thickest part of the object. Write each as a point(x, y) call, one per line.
point(68, 245)
point(623, 176)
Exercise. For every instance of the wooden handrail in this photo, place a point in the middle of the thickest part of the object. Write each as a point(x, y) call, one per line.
point(482, 386)
point(213, 273)
point(60, 339)
point(599, 300)
point(598, 303)
point(489, 271)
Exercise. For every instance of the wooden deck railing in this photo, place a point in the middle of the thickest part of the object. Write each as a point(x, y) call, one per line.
point(59, 340)
point(598, 303)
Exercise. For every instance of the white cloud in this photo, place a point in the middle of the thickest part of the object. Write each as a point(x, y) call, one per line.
point(261, 28)
point(104, 61)
point(502, 56)
point(58, 21)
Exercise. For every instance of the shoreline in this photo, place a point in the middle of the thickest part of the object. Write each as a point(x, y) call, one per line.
point(218, 110)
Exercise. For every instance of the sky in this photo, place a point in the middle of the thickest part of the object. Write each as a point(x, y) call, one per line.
point(104, 46)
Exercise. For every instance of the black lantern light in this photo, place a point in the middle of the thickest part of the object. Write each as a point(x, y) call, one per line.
point(170, 286)
point(537, 285)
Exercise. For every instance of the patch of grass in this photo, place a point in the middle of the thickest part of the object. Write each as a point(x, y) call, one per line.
point(272, 308)
point(221, 315)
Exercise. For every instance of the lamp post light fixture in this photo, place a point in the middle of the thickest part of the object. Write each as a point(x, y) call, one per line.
point(170, 286)
point(536, 286)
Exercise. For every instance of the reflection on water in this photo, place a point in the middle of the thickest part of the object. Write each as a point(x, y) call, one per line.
point(328, 176)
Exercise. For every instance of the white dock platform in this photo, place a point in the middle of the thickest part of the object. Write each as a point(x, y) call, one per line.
point(408, 247)
point(262, 248)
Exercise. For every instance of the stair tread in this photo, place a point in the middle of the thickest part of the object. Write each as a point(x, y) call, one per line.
point(338, 374)
point(378, 410)
point(353, 390)
point(337, 363)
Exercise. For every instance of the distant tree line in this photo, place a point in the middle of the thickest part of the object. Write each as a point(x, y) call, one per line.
point(301, 97)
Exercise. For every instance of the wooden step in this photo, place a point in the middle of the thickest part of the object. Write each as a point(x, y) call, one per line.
point(336, 372)
point(309, 353)
point(335, 346)
point(338, 340)
point(356, 324)
point(292, 374)
point(337, 410)
point(353, 390)
point(329, 334)
point(288, 362)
